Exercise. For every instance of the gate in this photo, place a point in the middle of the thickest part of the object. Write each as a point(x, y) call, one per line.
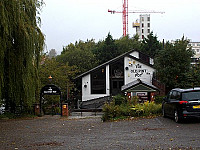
point(50, 90)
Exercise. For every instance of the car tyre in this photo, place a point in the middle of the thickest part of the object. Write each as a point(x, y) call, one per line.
point(163, 113)
point(177, 117)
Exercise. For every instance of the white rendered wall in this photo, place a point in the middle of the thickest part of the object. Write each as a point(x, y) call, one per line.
point(86, 91)
point(137, 70)
point(135, 54)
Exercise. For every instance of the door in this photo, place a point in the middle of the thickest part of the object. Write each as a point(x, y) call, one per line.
point(116, 86)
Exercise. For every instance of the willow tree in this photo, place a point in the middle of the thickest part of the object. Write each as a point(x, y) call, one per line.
point(21, 43)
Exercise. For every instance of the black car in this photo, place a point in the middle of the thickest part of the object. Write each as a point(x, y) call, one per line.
point(182, 103)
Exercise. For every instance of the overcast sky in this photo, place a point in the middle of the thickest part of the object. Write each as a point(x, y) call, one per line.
point(67, 21)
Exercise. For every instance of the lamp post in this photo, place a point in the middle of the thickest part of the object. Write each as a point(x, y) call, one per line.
point(50, 78)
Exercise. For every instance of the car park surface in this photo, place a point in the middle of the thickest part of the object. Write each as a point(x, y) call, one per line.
point(58, 133)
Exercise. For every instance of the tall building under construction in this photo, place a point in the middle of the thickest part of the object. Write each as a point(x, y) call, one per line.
point(143, 26)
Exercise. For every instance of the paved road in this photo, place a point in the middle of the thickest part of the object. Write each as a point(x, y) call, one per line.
point(92, 134)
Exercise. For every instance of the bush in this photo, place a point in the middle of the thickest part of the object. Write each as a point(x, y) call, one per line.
point(159, 99)
point(126, 110)
point(8, 115)
point(120, 99)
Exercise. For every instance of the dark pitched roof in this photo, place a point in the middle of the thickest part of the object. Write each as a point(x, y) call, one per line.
point(113, 60)
point(136, 83)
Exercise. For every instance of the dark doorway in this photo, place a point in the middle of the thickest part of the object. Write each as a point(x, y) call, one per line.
point(116, 86)
point(116, 77)
point(50, 100)
point(51, 105)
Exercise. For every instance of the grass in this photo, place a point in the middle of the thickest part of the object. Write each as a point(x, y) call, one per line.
point(7, 115)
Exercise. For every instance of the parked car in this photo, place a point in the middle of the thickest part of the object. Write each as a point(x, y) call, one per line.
point(182, 103)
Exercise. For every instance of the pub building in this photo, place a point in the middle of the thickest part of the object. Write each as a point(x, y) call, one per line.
point(130, 73)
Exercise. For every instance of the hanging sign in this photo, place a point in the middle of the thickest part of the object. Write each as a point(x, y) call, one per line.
point(50, 90)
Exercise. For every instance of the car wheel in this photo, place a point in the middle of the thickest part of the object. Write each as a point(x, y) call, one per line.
point(163, 113)
point(176, 117)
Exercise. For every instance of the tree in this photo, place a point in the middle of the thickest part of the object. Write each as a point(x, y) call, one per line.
point(173, 64)
point(62, 74)
point(151, 45)
point(79, 55)
point(21, 43)
point(126, 44)
point(106, 50)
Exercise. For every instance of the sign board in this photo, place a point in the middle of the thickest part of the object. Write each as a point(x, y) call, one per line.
point(142, 96)
point(50, 90)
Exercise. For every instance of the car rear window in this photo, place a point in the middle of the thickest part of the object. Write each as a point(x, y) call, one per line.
point(193, 95)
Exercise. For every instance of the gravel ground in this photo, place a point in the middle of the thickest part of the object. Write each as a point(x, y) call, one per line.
point(90, 133)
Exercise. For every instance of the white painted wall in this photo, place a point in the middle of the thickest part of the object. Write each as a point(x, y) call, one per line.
point(86, 91)
point(108, 80)
point(137, 70)
point(135, 54)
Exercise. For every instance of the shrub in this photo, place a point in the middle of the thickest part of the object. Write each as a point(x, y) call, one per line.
point(120, 99)
point(159, 99)
point(125, 110)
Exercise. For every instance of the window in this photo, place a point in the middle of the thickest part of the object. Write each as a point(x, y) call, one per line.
point(192, 95)
point(148, 18)
point(142, 18)
point(173, 95)
point(169, 95)
point(142, 36)
point(178, 95)
point(98, 81)
point(142, 25)
point(142, 30)
point(148, 25)
point(148, 30)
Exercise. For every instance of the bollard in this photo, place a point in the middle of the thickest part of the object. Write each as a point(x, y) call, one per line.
point(65, 110)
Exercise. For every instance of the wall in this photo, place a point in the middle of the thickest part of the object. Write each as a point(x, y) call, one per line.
point(86, 91)
point(135, 54)
point(135, 70)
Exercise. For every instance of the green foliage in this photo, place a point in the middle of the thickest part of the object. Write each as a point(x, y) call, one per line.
point(119, 99)
point(159, 99)
point(8, 115)
point(87, 55)
point(62, 74)
point(127, 110)
point(21, 43)
point(151, 45)
point(106, 50)
point(126, 44)
point(173, 64)
point(79, 55)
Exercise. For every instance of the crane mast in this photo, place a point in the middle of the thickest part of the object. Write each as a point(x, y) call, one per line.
point(125, 15)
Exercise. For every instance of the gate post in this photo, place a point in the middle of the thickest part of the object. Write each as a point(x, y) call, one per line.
point(37, 109)
point(65, 111)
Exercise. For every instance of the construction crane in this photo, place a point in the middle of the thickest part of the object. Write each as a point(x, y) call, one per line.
point(125, 15)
